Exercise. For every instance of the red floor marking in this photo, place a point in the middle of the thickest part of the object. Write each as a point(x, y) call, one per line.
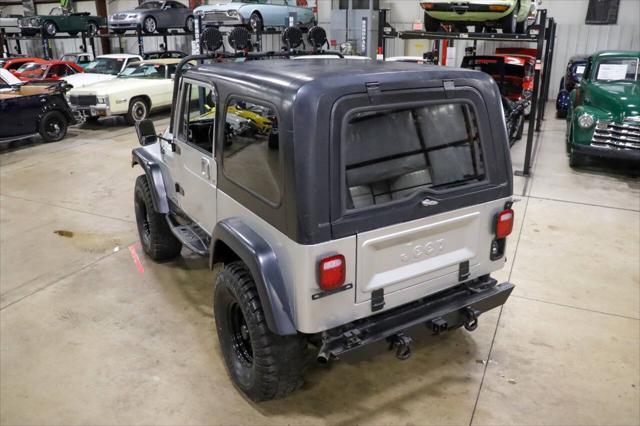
point(136, 259)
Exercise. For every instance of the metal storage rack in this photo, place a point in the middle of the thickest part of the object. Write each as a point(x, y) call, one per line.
point(542, 33)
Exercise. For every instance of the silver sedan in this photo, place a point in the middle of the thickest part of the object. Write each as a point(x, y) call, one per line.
point(153, 16)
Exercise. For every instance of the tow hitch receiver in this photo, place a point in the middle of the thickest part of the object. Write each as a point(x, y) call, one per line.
point(402, 344)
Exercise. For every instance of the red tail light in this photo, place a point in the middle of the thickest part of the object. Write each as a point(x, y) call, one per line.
point(504, 223)
point(332, 272)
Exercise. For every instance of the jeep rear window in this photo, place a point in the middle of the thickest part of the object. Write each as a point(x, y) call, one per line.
point(391, 154)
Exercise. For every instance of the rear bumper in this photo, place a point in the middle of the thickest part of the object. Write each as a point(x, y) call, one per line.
point(444, 311)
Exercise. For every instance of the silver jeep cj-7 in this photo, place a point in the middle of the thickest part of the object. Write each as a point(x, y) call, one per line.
point(359, 200)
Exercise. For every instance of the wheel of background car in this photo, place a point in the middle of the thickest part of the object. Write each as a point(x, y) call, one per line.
point(509, 22)
point(246, 342)
point(431, 24)
point(255, 22)
point(92, 29)
point(292, 37)
point(211, 39)
point(317, 37)
point(53, 126)
point(138, 111)
point(188, 25)
point(50, 28)
point(239, 38)
point(149, 25)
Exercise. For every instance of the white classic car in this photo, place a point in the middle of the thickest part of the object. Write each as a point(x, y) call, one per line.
point(141, 87)
point(9, 23)
point(256, 14)
point(103, 68)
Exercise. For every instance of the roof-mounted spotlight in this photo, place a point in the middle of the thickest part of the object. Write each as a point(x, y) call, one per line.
point(292, 37)
point(239, 38)
point(210, 40)
point(317, 37)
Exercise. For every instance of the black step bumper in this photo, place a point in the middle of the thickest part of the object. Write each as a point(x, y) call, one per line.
point(444, 311)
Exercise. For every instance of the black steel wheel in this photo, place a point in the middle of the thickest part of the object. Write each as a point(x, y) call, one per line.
point(149, 25)
point(261, 364)
point(49, 28)
point(156, 237)
point(138, 111)
point(53, 126)
point(255, 22)
point(188, 25)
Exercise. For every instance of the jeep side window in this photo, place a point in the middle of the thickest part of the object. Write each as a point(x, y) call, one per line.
point(197, 116)
point(394, 153)
point(251, 154)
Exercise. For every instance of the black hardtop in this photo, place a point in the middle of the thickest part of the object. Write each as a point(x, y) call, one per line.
point(288, 76)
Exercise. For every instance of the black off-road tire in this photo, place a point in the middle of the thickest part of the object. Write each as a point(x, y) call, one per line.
point(430, 24)
point(156, 237)
point(138, 111)
point(261, 364)
point(53, 126)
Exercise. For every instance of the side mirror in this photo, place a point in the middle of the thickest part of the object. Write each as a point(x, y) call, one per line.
point(146, 131)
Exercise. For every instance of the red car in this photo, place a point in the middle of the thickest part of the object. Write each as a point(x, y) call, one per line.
point(47, 70)
point(512, 72)
point(13, 64)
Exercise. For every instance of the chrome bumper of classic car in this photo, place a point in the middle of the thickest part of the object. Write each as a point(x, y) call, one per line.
point(617, 140)
point(88, 106)
point(221, 18)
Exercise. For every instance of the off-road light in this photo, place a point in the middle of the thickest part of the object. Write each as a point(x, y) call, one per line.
point(292, 37)
point(426, 6)
point(239, 38)
point(585, 120)
point(498, 8)
point(211, 39)
point(504, 223)
point(317, 37)
point(332, 272)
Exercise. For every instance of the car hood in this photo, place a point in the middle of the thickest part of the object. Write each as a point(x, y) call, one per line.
point(85, 78)
point(132, 86)
point(620, 98)
point(219, 6)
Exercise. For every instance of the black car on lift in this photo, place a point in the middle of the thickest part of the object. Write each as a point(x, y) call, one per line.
point(27, 110)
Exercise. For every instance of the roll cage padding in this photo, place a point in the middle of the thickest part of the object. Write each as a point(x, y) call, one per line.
point(154, 176)
point(233, 237)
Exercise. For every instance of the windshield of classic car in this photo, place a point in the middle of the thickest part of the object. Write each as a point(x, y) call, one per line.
point(105, 66)
point(32, 70)
point(618, 69)
point(149, 5)
point(144, 71)
point(56, 11)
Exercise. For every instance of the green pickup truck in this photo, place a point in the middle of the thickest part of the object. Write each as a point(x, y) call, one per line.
point(60, 20)
point(604, 111)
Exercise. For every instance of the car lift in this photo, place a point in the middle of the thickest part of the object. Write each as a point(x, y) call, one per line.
point(542, 33)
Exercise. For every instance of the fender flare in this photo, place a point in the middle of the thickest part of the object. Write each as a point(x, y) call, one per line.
point(233, 238)
point(154, 176)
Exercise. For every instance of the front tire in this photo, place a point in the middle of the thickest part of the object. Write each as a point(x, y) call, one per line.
point(49, 28)
point(156, 237)
point(149, 25)
point(138, 111)
point(188, 25)
point(510, 22)
point(256, 23)
point(53, 126)
point(431, 24)
point(262, 365)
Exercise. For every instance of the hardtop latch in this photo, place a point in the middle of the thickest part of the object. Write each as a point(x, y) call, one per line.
point(374, 91)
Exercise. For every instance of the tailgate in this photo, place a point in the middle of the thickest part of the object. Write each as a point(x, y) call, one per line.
point(419, 252)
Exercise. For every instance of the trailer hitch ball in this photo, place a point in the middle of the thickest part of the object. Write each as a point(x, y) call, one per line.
point(472, 319)
point(402, 344)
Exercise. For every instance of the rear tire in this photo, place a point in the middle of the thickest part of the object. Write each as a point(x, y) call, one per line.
point(156, 237)
point(430, 24)
point(256, 23)
point(149, 25)
point(261, 364)
point(53, 126)
point(92, 29)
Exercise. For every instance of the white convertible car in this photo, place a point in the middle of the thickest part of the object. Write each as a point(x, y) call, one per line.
point(140, 88)
point(103, 68)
